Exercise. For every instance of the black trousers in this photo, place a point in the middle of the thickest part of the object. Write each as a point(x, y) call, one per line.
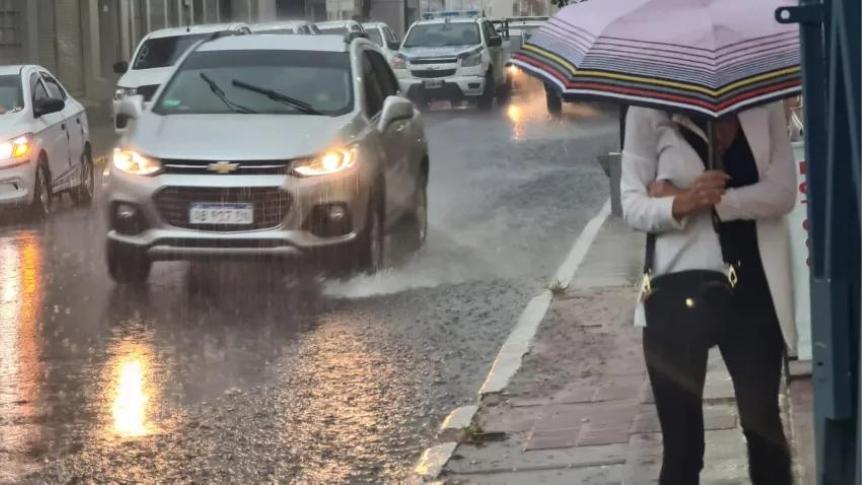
point(676, 350)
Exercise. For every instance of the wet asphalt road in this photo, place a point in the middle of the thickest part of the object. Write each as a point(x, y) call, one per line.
point(233, 373)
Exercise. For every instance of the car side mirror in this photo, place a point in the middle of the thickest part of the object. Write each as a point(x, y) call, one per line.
point(130, 108)
point(121, 67)
point(48, 106)
point(395, 108)
point(495, 42)
point(394, 45)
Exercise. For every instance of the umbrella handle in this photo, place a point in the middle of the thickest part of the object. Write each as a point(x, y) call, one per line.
point(713, 162)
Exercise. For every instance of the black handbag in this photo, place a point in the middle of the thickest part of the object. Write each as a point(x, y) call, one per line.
point(705, 295)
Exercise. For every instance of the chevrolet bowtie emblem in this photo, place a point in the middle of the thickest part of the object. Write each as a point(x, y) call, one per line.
point(222, 167)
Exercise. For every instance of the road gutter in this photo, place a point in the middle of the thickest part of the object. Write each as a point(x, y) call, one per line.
point(511, 354)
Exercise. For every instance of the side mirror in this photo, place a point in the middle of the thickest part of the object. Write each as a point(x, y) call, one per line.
point(394, 46)
point(395, 108)
point(495, 42)
point(130, 108)
point(48, 106)
point(120, 67)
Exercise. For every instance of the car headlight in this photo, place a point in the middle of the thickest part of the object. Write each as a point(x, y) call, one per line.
point(331, 162)
point(15, 148)
point(398, 62)
point(130, 161)
point(121, 93)
point(471, 60)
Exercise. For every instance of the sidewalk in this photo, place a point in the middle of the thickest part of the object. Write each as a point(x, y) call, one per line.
point(579, 410)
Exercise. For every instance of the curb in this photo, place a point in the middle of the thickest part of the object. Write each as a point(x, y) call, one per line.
point(509, 357)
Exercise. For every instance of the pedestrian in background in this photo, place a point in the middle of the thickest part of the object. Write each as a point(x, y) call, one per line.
point(700, 219)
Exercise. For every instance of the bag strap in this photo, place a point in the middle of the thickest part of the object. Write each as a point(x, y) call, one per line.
point(701, 147)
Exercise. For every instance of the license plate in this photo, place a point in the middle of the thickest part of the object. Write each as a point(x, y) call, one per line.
point(433, 83)
point(223, 214)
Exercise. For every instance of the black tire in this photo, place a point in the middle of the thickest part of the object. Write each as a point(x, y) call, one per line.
point(486, 99)
point(40, 207)
point(127, 265)
point(84, 193)
point(369, 250)
point(415, 226)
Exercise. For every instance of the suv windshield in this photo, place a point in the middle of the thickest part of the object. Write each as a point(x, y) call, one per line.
point(11, 98)
point(443, 35)
point(164, 51)
point(217, 83)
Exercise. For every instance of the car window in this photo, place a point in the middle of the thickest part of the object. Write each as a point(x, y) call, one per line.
point(390, 35)
point(333, 30)
point(388, 84)
point(164, 51)
point(38, 89)
point(11, 96)
point(374, 36)
point(371, 85)
point(443, 35)
point(320, 80)
point(54, 89)
point(490, 32)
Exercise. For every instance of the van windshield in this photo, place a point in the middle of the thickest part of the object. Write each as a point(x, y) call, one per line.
point(164, 51)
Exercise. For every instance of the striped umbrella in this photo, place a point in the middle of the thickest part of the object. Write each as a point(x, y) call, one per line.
point(712, 57)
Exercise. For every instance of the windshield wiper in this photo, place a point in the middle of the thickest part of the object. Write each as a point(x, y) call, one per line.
point(214, 87)
point(297, 104)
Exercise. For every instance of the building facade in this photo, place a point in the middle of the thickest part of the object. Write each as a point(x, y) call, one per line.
point(79, 40)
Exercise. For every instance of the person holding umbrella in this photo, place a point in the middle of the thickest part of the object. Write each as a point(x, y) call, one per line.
point(708, 173)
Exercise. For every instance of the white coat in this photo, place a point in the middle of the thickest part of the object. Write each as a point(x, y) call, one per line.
point(654, 149)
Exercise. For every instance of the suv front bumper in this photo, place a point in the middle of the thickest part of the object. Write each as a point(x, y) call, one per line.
point(450, 88)
point(163, 232)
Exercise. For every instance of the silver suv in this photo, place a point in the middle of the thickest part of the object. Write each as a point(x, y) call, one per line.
point(294, 148)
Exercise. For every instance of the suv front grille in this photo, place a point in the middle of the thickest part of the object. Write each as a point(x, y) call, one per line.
point(147, 91)
point(271, 205)
point(439, 60)
point(243, 167)
point(433, 74)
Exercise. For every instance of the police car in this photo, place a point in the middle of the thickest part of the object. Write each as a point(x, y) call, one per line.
point(452, 56)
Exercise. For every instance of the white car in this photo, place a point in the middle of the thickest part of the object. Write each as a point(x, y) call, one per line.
point(155, 57)
point(44, 141)
point(453, 58)
point(382, 35)
point(293, 148)
point(296, 27)
point(340, 27)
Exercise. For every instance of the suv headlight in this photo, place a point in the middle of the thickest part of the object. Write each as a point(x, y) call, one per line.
point(398, 62)
point(471, 60)
point(15, 148)
point(132, 162)
point(121, 93)
point(331, 162)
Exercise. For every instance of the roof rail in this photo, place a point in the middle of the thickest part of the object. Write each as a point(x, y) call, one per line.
point(448, 14)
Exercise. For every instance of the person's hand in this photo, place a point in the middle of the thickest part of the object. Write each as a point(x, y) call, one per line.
point(704, 194)
point(662, 188)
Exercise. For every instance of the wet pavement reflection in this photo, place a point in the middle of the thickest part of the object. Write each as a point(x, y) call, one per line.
point(239, 373)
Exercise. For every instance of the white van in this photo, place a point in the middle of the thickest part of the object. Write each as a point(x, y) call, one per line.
point(154, 60)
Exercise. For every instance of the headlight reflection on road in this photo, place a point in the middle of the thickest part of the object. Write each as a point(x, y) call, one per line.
point(131, 391)
point(21, 265)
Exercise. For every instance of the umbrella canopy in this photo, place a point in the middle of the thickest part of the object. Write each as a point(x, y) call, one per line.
point(712, 57)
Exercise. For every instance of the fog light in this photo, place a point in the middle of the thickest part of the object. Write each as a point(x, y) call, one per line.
point(126, 219)
point(126, 212)
point(337, 213)
point(329, 220)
